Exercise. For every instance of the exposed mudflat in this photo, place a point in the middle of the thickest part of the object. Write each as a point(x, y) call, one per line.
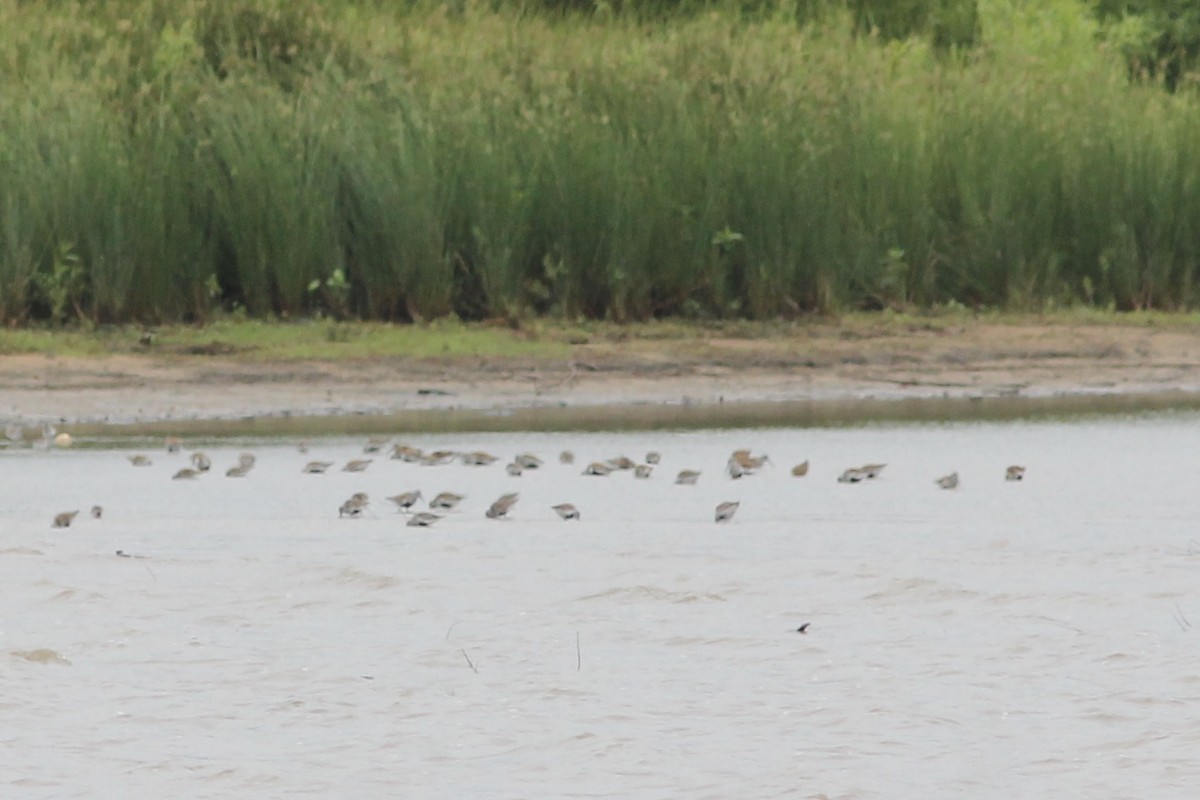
point(817, 364)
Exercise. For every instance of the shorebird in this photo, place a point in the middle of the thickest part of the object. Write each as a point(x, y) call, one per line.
point(513, 469)
point(725, 511)
point(356, 465)
point(527, 461)
point(621, 462)
point(405, 453)
point(438, 457)
point(446, 501)
point(173, 443)
point(1014, 474)
point(478, 458)
point(317, 467)
point(501, 507)
point(653, 457)
point(238, 471)
point(852, 475)
point(948, 481)
point(871, 470)
point(354, 506)
point(186, 473)
point(800, 470)
point(566, 457)
point(406, 500)
point(201, 462)
point(642, 471)
point(597, 468)
point(422, 520)
point(97, 512)
point(246, 460)
point(747, 462)
point(803, 628)
point(735, 469)
point(63, 520)
point(566, 511)
point(140, 460)
point(687, 477)
point(375, 443)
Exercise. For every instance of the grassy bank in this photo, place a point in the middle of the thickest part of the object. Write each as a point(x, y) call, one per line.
point(171, 162)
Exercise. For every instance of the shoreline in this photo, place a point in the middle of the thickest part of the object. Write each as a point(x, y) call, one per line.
point(827, 372)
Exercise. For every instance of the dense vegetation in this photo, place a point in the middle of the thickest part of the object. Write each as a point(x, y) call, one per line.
point(169, 161)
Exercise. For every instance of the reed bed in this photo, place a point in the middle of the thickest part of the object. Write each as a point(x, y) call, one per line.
point(166, 162)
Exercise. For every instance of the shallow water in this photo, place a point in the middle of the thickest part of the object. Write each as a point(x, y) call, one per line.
point(1000, 640)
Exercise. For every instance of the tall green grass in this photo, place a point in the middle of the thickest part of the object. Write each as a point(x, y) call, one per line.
point(164, 161)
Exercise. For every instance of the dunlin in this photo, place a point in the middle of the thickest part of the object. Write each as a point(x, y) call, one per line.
point(597, 468)
point(513, 469)
point(1014, 474)
point(247, 460)
point(355, 506)
point(63, 520)
point(356, 465)
point(725, 511)
point(446, 501)
point(735, 469)
point(201, 462)
point(800, 470)
point(376, 443)
point(653, 457)
point(871, 470)
point(948, 481)
point(566, 511)
point(687, 477)
point(317, 467)
point(406, 500)
point(238, 471)
point(139, 460)
point(422, 520)
point(642, 471)
point(405, 453)
point(566, 457)
point(185, 474)
point(438, 457)
point(97, 512)
point(478, 459)
point(852, 475)
point(622, 462)
point(501, 507)
point(528, 461)
point(173, 443)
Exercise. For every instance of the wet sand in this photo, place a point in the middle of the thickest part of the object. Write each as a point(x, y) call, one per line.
point(819, 364)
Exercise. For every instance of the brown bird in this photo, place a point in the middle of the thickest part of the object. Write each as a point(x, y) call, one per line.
point(642, 471)
point(948, 481)
point(405, 453)
point(140, 460)
point(653, 457)
point(174, 444)
point(1014, 474)
point(566, 511)
point(478, 459)
point(356, 465)
point(621, 462)
point(528, 461)
point(238, 471)
point(317, 467)
point(97, 512)
point(64, 519)
point(355, 506)
point(201, 462)
point(871, 470)
point(502, 506)
point(376, 443)
point(446, 501)
point(852, 475)
point(422, 520)
point(514, 469)
point(687, 477)
point(800, 470)
point(187, 473)
point(725, 511)
point(406, 500)
point(566, 457)
point(597, 468)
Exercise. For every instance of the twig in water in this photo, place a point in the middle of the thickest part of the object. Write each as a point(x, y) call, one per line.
point(469, 662)
point(450, 629)
point(1180, 619)
point(578, 654)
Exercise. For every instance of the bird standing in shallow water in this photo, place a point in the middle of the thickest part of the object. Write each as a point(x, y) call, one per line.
point(317, 467)
point(201, 462)
point(64, 519)
point(1014, 474)
point(356, 465)
point(446, 501)
point(800, 470)
point(406, 500)
point(642, 471)
point(948, 481)
point(501, 507)
point(422, 520)
point(687, 477)
point(566, 511)
point(725, 511)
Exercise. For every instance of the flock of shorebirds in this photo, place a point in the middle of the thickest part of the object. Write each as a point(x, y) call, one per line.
point(741, 463)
